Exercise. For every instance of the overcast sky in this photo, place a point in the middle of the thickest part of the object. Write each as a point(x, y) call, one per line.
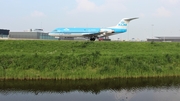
point(157, 17)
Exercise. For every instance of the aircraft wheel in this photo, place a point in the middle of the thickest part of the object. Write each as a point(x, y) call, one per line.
point(92, 39)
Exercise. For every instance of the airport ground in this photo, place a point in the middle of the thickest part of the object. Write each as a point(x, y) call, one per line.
point(43, 59)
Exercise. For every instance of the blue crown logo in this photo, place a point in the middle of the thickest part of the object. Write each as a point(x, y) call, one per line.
point(122, 24)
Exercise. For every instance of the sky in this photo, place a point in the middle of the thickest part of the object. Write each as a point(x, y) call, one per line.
point(156, 17)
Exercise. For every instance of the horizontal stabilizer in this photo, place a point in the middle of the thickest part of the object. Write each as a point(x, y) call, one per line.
point(129, 19)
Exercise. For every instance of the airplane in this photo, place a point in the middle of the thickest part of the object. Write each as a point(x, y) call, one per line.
point(92, 33)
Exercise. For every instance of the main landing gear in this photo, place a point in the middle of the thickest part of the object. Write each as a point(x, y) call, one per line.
point(92, 39)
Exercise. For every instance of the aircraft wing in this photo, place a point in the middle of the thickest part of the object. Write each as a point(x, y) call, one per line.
point(101, 32)
point(91, 34)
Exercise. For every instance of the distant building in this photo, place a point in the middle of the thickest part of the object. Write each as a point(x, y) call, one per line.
point(33, 30)
point(4, 33)
point(39, 34)
point(31, 35)
point(165, 38)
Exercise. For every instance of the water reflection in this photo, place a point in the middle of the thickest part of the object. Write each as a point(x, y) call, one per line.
point(148, 95)
point(151, 89)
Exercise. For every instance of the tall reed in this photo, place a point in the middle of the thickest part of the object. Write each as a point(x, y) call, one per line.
point(87, 60)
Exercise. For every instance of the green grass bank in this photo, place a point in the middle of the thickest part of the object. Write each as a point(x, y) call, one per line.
point(35, 59)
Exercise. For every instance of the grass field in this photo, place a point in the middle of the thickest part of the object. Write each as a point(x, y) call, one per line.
point(35, 59)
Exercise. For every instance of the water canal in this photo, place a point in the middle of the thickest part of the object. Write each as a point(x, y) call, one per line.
point(150, 89)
